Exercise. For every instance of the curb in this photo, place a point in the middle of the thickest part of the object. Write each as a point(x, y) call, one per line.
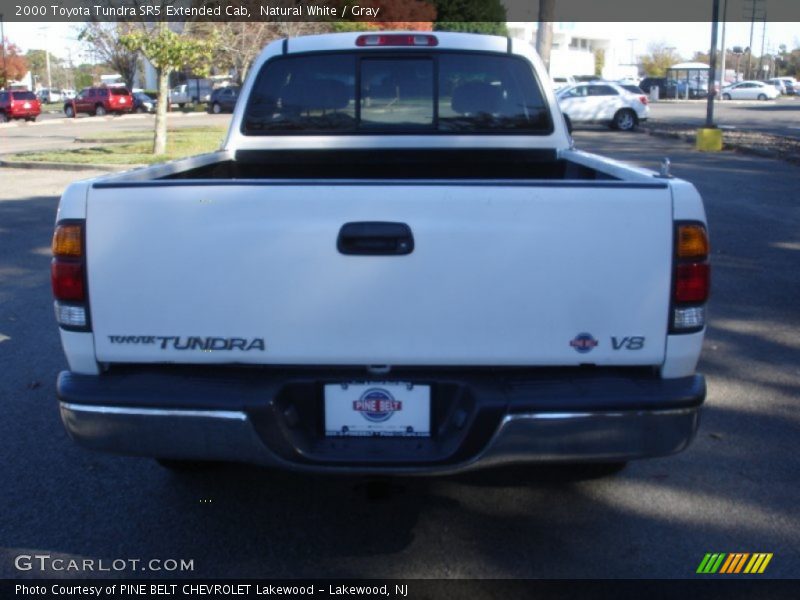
point(88, 119)
point(729, 146)
point(57, 166)
point(119, 140)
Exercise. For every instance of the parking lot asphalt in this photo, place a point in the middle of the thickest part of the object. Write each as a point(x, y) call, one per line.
point(734, 490)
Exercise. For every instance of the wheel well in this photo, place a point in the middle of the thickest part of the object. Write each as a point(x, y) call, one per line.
point(630, 110)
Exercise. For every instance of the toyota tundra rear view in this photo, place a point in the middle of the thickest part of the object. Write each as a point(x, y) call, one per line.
point(397, 263)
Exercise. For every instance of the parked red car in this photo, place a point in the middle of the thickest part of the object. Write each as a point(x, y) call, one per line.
point(19, 105)
point(100, 101)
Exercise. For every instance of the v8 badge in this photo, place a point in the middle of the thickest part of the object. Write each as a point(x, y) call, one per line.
point(635, 342)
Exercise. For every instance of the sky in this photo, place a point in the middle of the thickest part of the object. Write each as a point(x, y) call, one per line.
point(61, 38)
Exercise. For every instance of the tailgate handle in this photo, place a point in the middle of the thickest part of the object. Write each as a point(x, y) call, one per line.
point(375, 238)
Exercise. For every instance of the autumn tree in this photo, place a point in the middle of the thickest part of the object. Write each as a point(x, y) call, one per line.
point(599, 61)
point(14, 66)
point(104, 40)
point(659, 58)
point(168, 51)
point(414, 15)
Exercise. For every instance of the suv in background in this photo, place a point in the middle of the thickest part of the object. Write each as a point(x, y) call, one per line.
point(667, 88)
point(100, 101)
point(19, 105)
point(603, 102)
point(223, 100)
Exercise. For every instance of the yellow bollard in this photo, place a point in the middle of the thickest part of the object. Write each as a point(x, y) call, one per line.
point(709, 139)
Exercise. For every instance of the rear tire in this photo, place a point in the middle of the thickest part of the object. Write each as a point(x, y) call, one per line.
point(726, 96)
point(100, 111)
point(181, 104)
point(625, 120)
point(216, 108)
point(4, 118)
point(70, 112)
point(762, 97)
point(30, 119)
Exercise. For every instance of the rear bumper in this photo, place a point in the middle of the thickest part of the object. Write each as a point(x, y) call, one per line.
point(537, 419)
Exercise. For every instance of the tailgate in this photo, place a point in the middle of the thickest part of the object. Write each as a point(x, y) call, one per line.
point(499, 274)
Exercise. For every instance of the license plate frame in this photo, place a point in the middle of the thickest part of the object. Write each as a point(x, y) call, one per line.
point(393, 409)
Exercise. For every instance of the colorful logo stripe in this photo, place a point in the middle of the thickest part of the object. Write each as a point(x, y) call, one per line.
point(733, 563)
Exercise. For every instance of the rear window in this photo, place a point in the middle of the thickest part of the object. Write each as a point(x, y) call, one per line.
point(633, 89)
point(23, 95)
point(393, 93)
point(119, 91)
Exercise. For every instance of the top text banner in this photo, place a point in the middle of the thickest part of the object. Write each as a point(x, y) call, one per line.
point(393, 11)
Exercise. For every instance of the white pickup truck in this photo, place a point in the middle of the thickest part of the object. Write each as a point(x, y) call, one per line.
point(397, 263)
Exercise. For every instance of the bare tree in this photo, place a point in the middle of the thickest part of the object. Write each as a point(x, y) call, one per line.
point(240, 42)
point(104, 39)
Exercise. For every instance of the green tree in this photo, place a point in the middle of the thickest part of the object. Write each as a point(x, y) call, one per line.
point(83, 75)
point(659, 58)
point(168, 51)
point(471, 16)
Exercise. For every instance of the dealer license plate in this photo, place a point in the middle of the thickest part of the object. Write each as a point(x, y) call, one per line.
point(378, 409)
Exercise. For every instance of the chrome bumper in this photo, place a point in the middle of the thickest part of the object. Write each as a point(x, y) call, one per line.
point(527, 437)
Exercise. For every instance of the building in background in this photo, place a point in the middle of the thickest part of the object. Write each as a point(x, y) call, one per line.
point(575, 48)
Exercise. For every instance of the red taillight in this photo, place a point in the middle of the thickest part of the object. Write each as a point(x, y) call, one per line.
point(68, 275)
point(692, 283)
point(643, 99)
point(67, 279)
point(691, 278)
point(396, 39)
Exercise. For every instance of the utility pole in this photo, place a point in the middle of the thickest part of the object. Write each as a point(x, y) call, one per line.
point(761, 56)
point(752, 24)
point(722, 45)
point(755, 11)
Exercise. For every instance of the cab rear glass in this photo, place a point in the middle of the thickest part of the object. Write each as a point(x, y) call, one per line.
point(23, 95)
point(376, 92)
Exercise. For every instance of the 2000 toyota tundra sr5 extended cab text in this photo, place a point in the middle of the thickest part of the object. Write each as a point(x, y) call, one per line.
point(397, 263)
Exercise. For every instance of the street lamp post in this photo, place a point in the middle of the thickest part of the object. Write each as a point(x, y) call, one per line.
point(709, 138)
